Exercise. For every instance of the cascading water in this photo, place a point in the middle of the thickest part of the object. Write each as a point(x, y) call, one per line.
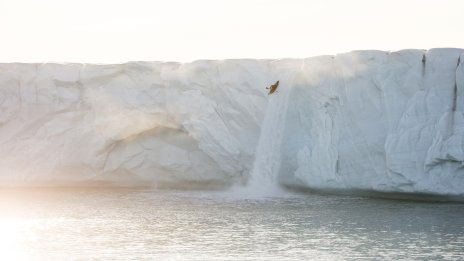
point(263, 177)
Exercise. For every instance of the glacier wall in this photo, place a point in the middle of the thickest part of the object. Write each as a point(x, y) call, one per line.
point(364, 120)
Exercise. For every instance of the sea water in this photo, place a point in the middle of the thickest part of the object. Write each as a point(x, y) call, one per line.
point(104, 224)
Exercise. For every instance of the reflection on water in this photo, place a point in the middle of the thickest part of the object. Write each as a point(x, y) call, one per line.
point(173, 225)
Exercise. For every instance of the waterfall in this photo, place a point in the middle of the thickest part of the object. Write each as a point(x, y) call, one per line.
point(263, 176)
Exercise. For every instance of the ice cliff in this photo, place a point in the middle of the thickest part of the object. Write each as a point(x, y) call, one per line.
point(364, 120)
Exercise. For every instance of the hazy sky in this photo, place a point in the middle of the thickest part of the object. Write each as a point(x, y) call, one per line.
point(107, 31)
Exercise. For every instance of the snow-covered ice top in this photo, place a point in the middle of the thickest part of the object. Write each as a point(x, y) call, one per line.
point(364, 120)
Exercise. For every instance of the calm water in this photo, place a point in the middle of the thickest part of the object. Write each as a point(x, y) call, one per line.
point(180, 225)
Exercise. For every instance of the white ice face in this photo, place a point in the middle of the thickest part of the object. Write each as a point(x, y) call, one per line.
point(365, 120)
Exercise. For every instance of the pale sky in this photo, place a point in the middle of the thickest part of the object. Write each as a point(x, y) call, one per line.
point(113, 31)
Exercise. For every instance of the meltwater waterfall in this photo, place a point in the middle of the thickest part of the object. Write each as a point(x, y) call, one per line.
point(266, 165)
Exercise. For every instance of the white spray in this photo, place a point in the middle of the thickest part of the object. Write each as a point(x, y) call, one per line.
point(263, 177)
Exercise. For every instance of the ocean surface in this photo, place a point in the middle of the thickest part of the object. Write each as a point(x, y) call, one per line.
point(105, 224)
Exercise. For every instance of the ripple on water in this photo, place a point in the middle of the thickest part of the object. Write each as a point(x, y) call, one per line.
point(172, 225)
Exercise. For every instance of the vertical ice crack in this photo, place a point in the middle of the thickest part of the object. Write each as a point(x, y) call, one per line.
point(424, 59)
point(455, 91)
point(451, 126)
